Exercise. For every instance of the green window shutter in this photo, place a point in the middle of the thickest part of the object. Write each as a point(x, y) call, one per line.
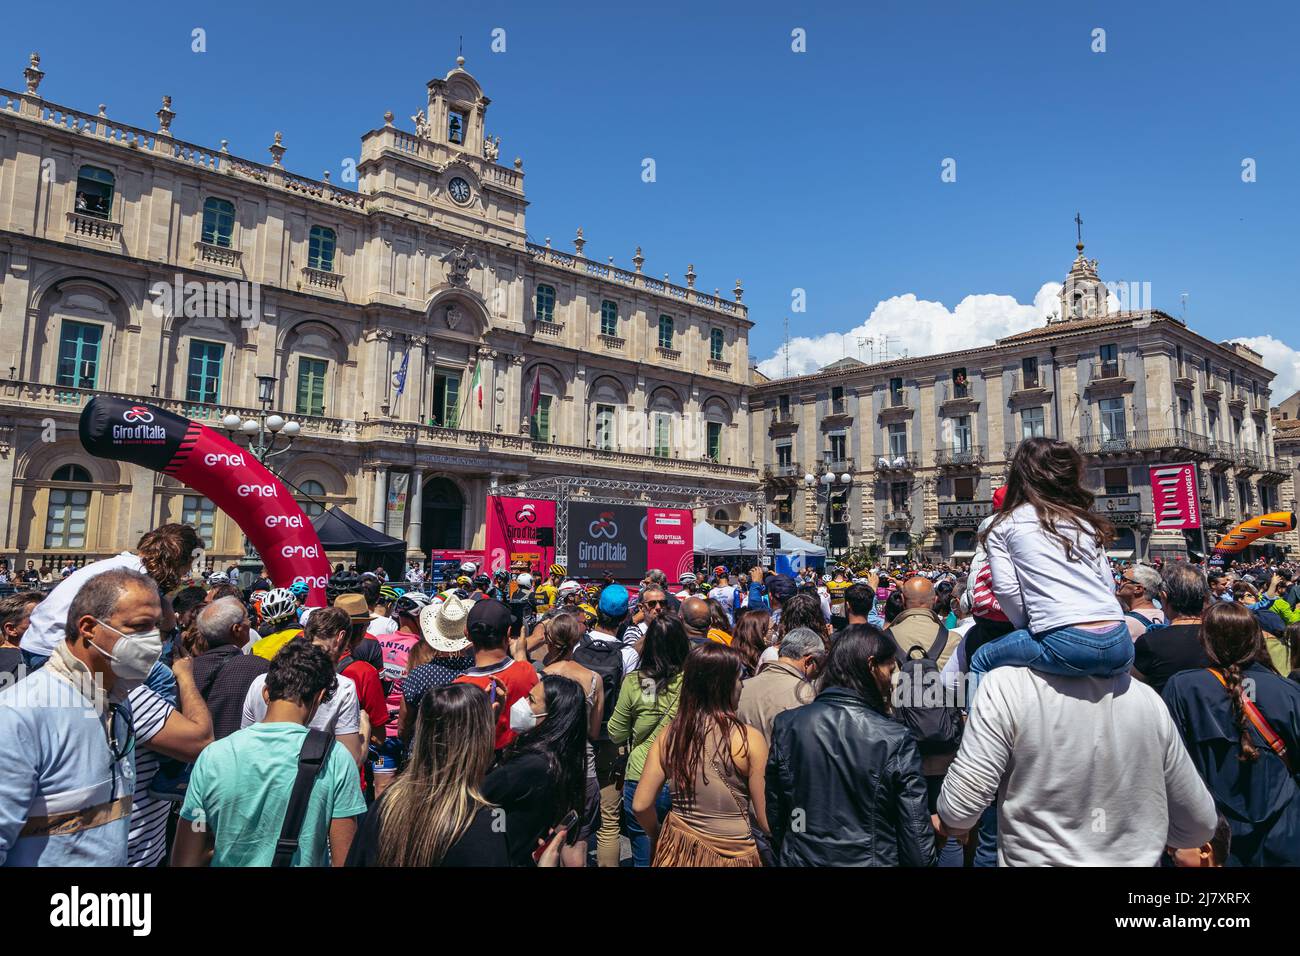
point(79, 355)
point(204, 384)
point(311, 386)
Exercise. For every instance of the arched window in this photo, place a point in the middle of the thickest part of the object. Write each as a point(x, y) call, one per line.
point(218, 221)
point(70, 473)
point(312, 489)
point(320, 251)
point(545, 303)
point(68, 509)
point(95, 192)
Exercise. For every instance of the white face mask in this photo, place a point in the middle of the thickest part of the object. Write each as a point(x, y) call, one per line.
point(136, 653)
point(522, 718)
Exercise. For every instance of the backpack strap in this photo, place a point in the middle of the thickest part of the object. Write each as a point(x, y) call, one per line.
point(311, 759)
point(940, 642)
point(1256, 718)
point(1138, 617)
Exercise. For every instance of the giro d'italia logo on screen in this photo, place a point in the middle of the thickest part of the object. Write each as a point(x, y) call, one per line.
point(607, 539)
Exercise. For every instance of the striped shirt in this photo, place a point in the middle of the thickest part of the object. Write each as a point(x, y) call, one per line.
point(147, 840)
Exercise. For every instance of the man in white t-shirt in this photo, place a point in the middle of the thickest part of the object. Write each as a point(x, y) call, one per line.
point(1132, 789)
point(331, 628)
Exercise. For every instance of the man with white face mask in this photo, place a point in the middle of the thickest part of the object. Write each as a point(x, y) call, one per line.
point(67, 764)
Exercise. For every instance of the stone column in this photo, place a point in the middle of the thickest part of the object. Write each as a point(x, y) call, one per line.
point(380, 499)
point(415, 504)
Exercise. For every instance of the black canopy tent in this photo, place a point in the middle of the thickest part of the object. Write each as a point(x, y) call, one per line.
point(339, 531)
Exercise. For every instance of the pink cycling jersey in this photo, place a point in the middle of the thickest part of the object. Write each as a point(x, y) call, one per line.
point(396, 648)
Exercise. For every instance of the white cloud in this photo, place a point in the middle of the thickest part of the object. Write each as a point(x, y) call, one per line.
point(919, 327)
point(1280, 358)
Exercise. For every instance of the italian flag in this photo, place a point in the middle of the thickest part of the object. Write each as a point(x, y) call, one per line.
point(476, 384)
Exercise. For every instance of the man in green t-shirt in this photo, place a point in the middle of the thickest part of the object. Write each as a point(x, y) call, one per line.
point(240, 786)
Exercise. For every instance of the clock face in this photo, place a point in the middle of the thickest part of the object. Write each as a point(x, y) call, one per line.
point(459, 190)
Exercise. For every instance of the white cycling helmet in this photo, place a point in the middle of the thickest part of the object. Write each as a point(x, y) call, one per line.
point(469, 569)
point(412, 603)
point(218, 577)
point(278, 605)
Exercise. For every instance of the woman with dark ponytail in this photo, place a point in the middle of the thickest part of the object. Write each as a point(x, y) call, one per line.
point(1241, 723)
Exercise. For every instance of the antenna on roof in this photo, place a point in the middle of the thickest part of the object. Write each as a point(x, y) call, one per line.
point(787, 346)
point(1183, 297)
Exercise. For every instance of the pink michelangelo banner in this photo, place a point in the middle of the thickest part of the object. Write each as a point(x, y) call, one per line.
point(520, 529)
point(212, 465)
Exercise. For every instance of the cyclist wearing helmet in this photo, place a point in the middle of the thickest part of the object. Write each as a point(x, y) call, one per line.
point(217, 577)
point(379, 603)
point(549, 589)
point(481, 584)
point(279, 615)
point(500, 589)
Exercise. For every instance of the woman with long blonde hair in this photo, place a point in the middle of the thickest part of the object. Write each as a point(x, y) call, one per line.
point(434, 813)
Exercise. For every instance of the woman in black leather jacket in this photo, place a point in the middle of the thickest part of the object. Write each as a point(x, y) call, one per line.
point(844, 784)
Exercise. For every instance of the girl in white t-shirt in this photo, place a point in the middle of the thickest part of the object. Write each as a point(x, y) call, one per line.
point(1047, 553)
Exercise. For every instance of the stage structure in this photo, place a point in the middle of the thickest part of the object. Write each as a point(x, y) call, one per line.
point(564, 490)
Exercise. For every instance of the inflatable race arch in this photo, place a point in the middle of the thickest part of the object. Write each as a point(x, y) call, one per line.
point(1248, 532)
point(211, 464)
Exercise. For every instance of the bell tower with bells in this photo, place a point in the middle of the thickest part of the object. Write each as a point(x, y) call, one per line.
point(454, 120)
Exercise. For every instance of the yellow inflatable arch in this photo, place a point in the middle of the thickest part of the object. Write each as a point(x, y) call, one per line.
point(1249, 531)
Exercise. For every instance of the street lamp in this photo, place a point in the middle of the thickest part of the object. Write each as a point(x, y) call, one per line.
point(263, 433)
point(824, 486)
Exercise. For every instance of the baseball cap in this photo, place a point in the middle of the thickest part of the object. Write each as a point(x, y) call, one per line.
point(355, 605)
point(782, 588)
point(488, 616)
point(613, 601)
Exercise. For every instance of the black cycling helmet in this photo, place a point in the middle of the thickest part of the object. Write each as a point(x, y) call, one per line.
point(345, 582)
point(482, 581)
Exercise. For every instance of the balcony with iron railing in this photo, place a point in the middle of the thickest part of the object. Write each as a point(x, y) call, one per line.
point(1028, 385)
point(898, 520)
point(1237, 398)
point(775, 470)
point(900, 462)
point(1185, 376)
point(959, 456)
point(1174, 440)
point(783, 421)
point(838, 463)
point(1214, 387)
point(1107, 373)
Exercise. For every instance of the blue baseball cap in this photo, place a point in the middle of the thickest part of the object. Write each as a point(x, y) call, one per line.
point(613, 601)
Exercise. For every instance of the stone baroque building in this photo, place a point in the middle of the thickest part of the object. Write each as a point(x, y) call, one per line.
point(1286, 439)
point(927, 439)
point(425, 269)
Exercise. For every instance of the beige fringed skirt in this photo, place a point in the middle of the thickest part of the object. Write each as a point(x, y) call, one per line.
point(681, 844)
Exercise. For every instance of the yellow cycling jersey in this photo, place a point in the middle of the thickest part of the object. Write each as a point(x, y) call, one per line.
point(546, 596)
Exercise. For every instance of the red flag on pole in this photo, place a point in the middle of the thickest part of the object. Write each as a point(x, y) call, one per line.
point(535, 395)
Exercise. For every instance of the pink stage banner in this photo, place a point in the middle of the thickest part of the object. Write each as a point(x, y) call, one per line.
point(670, 541)
point(520, 529)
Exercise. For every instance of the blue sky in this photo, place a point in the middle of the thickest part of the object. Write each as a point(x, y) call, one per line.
point(817, 170)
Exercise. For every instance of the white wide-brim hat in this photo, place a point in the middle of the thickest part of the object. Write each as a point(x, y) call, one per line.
point(443, 626)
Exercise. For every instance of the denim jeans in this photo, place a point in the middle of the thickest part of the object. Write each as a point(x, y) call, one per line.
point(1067, 651)
point(986, 837)
point(641, 842)
point(34, 661)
